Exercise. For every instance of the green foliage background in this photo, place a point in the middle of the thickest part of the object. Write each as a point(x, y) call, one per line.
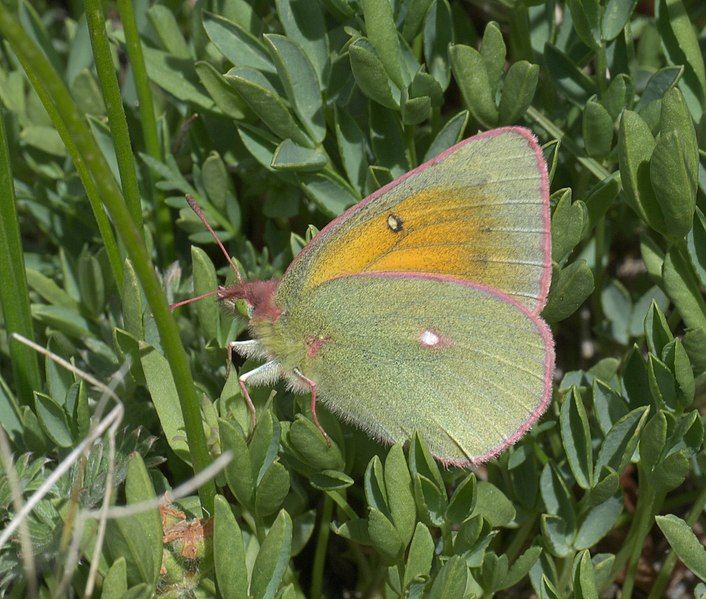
point(276, 116)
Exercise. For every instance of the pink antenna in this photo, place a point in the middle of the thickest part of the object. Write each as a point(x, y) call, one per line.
point(199, 212)
point(176, 305)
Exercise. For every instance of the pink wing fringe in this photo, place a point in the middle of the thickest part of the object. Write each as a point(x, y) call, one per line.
point(544, 283)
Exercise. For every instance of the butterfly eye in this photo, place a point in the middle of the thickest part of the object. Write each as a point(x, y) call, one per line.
point(394, 223)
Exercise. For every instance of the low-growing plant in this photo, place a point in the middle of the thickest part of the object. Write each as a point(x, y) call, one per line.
point(276, 117)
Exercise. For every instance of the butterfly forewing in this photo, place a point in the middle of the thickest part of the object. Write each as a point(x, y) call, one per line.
point(479, 211)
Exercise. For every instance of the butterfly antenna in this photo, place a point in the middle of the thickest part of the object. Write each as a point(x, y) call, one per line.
point(173, 307)
point(199, 212)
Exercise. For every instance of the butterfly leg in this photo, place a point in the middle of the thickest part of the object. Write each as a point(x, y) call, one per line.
point(246, 349)
point(262, 375)
point(312, 385)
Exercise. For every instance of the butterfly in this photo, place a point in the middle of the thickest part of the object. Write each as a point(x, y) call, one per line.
point(418, 309)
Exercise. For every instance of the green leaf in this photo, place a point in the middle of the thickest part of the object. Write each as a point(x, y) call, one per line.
point(384, 536)
point(586, 20)
point(569, 289)
point(674, 180)
point(165, 25)
point(272, 559)
point(53, 420)
point(493, 505)
point(370, 74)
point(165, 399)
point(304, 23)
point(416, 11)
point(597, 130)
point(576, 437)
point(311, 446)
point(115, 581)
point(652, 440)
point(239, 46)
point(43, 138)
point(694, 341)
point(266, 104)
point(601, 198)
point(352, 148)
point(415, 110)
point(387, 141)
point(519, 87)
point(289, 156)
point(229, 552)
point(670, 473)
point(682, 286)
point(327, 192)
point(177, 77)
point(598, 522)
point(330, 480)
point(451, 580)
point(400, 497)
point(658, 85)
point(239, 472)
point(139, 488)
point(463, 501)
point(619, 95)
point(567, 225)
point(696, 246)
point(300, 83)
point(494, 52)
point(450, 134)
point(271, 490)
point(635, 147)
point(557, 534)
point(438, 34)
point(677, 360)
point(681, 45)
point(382, 33)
point(585, 577)
point(615, 16)
point(420, 556)
point(205, 280)
point(657, 333)
point(229, 102)
point(684, 542)
point(567, 77)
point(620, 442)
point(520, 568)
point(471, 76)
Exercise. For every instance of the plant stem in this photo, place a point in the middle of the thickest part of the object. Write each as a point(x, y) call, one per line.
point(14, 296)
point(642, 523)
point(601, 68)
point(104, 228)
point(594, 167)
point(411, 148)
point(317, 570)
point(665, 573)
point(47, 81)
point(95, 19)
point(519, 538)
point(598, 249)
point(148, 121)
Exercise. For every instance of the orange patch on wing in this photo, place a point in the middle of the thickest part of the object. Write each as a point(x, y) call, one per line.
point(440, 231)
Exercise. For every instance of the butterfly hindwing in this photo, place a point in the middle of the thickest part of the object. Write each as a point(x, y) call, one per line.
point(479, 211)
point(465, 366)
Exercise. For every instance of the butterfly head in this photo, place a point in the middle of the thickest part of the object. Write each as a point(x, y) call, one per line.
point(258, 297)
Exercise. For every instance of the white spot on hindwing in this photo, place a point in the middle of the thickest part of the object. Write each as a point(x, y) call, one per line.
point(429, 338)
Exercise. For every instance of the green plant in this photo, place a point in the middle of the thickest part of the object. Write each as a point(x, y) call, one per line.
point(276, 117)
